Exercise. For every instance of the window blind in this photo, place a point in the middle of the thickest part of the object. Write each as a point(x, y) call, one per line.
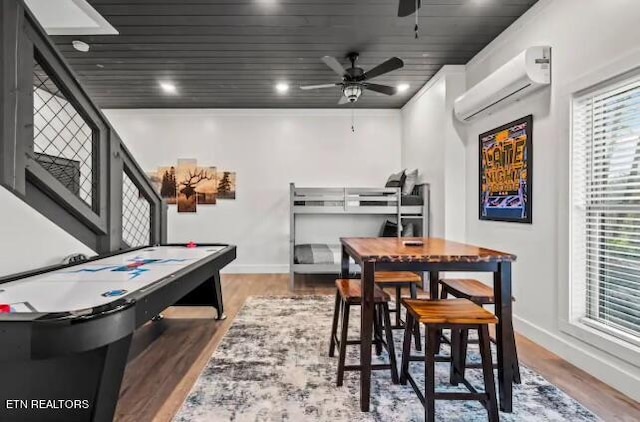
point(605, 218)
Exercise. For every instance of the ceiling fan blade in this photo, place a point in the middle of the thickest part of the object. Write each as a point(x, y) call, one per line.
point(319, 86)
point(335, 65)
point(343, 100)
point(386, 67)
point(407, 7)
point(383, 89)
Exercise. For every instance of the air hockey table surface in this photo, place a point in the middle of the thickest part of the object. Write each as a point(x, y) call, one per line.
point(66, 331)
point(94, 284)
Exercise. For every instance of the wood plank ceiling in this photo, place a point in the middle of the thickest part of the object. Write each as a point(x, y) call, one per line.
point(231, 53)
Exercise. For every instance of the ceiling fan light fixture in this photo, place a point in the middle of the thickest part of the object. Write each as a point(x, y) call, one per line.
point(81, 46)
point(168, 88)
point(352, 92)
point(282, 87)
point(402, 88)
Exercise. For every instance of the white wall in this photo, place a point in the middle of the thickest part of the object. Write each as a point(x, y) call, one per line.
point(431, 143)
point(584, 35)
point(29, 239)
point(268, 149)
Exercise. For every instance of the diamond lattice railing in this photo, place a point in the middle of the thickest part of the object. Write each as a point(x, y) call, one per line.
point(63, 141)
point(136, 215)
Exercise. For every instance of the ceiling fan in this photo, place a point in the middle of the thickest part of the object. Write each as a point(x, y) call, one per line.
point(355, 79)
point(408, 7)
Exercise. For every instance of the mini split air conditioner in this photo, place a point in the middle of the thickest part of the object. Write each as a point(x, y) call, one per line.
point(520, 76)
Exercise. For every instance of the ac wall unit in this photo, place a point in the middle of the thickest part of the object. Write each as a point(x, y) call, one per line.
point(520, 76)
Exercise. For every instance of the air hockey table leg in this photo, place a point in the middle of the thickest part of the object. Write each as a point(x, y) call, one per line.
point(217, 300)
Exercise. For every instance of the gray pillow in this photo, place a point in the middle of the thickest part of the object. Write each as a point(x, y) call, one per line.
point(408, 230)
point(410, 181)
point(396, 180)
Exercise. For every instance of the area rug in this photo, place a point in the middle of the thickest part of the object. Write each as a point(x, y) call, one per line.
point(273, 365)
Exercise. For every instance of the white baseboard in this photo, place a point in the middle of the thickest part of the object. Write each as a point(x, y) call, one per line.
point(594, 362)
point(256, 269)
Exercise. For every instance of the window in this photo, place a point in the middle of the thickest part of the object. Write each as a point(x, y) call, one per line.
point(605, 211)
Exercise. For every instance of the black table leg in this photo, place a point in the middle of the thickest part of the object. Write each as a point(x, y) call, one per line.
point(115, 360)
point(217, 300)
point(434, 278)
point(366, 323)
point(504, 334)
point(344, 264)
point(434, 284)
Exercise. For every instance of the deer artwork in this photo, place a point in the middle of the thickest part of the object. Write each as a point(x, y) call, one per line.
point(191, 181)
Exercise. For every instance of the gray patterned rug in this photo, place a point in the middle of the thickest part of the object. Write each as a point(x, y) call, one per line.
point(273, 366)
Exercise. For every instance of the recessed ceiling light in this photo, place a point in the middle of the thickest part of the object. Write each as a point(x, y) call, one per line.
point(282, 87)
point(80, 46)
point(402, 87)
point(168, 87)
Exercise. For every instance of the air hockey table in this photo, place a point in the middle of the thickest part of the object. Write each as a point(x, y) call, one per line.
point(65, 331)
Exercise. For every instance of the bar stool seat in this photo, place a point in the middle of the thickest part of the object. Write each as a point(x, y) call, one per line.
point(480, 294)
point(468, 288)
point(349, 293)
point(350, 290)
point(391, 278)
point(455, 314)
point(453, 311)
point(399, 280)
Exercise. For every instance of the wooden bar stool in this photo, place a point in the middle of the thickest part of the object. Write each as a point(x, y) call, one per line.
point(349, 293)
point(400, 280)
point(480, 294)
point(455, 314)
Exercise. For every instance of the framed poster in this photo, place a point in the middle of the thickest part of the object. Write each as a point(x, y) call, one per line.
point(505, 178)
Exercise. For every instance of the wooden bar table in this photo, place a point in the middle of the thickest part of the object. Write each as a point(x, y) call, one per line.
point(434, 255)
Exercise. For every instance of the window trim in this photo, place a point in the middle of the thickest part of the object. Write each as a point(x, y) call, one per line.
point(618, 69)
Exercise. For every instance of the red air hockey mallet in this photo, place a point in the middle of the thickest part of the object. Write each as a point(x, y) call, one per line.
point(5, 309)
point(191, 245)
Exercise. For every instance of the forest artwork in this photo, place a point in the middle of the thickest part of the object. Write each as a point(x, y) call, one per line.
point(227, 185)
point(188, 185)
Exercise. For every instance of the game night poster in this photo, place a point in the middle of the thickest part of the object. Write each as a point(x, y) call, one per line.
point(506, 172)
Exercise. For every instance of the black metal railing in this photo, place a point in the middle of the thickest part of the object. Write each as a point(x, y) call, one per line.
point(59, 153)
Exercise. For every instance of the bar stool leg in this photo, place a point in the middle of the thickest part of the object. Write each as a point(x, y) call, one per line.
point(487, 373)
point(342, 354)
point(377, 330)
point(429, 375)
point(406, 349)
point(438, 342)
point(516, 362)
point(334, 326)
point(464, 343)
point(456, 356)
point(398, 306)
point(390, 346)
point(413, 291)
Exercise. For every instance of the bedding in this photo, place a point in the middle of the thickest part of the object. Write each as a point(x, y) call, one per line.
point(396, 180)
point(410, 181)
point(407, 200)
point(316, 253)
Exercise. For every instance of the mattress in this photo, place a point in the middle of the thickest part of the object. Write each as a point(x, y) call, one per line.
point(317, 253)
point(407, 200)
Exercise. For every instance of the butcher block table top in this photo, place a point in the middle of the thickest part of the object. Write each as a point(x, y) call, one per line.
point(392, 249)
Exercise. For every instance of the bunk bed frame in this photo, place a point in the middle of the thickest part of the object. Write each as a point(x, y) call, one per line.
point(352, 201)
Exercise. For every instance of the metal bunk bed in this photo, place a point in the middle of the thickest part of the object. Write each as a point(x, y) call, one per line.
point(388, 202)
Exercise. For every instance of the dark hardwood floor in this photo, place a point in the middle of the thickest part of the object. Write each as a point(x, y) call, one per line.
point(167, 356)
